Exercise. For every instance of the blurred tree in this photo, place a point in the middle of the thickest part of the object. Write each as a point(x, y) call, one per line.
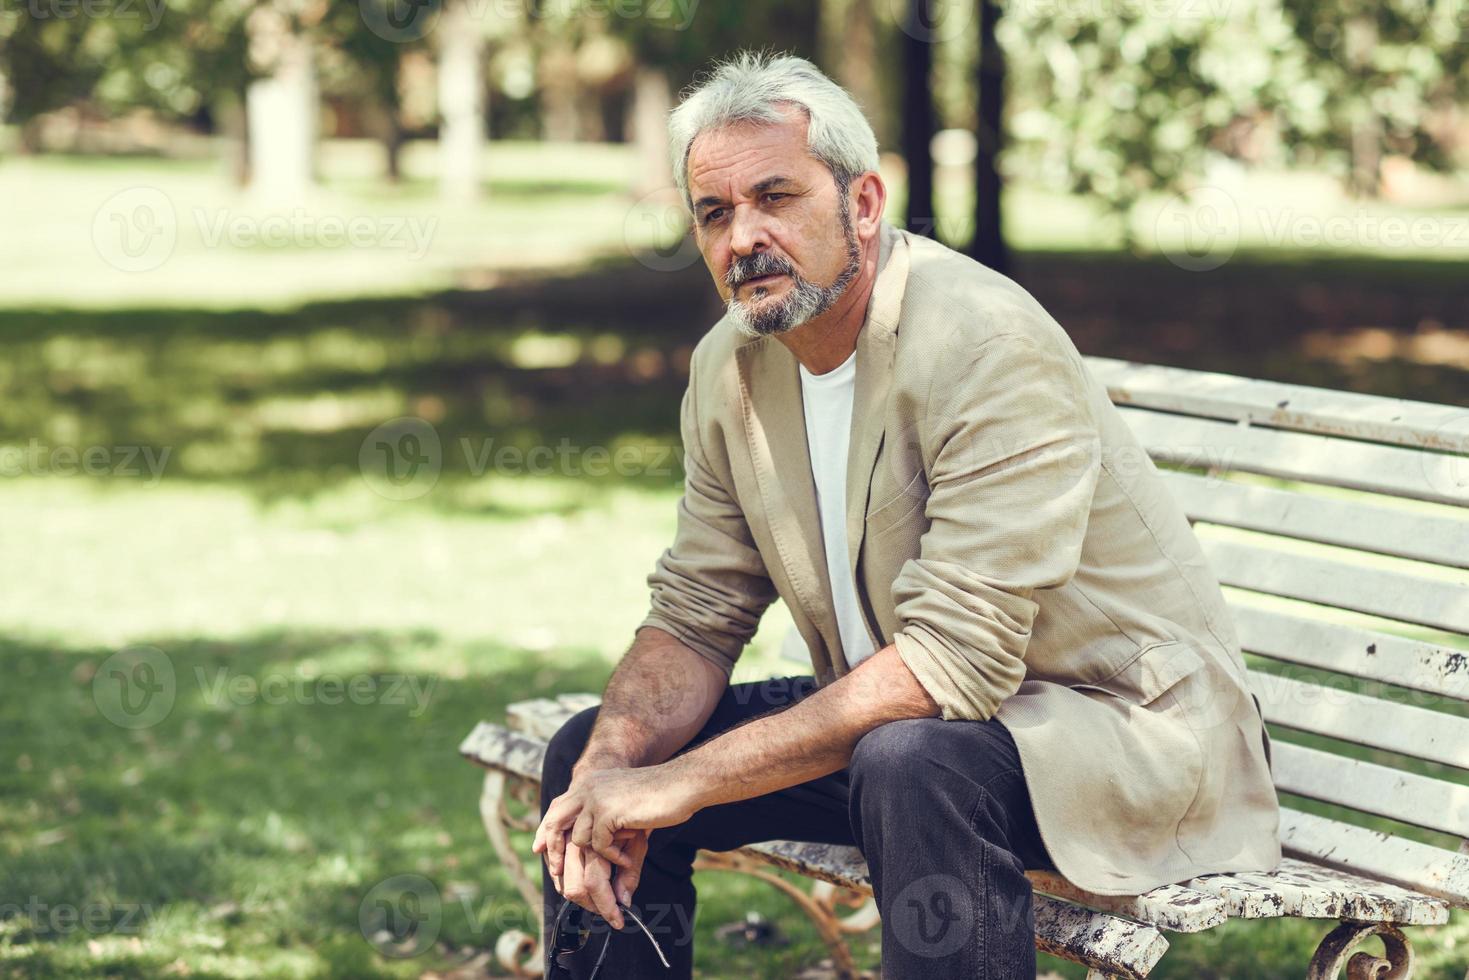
point(918, 119)
point(281, 99)
point(1130, 103)
point(49, 64)
point(1386, 77)
point(461, 44)
point(988, 243)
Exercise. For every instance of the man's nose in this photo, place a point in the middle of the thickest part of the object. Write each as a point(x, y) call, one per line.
point(748, 232)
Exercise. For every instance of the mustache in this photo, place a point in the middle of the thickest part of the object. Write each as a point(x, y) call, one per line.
point(748, 267)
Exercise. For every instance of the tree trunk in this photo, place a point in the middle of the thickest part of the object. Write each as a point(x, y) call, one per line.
point(918, 118)
point(461, 101)
point(988, 245)
point(652, 98)
point(559, 91)
point(849, 48)
point(281, 115)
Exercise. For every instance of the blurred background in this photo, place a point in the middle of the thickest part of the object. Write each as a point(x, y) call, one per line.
point(341, 350)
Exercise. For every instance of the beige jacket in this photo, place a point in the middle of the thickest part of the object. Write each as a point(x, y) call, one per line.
point(1010, 535)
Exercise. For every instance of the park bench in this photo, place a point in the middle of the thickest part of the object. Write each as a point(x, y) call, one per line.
point(1339, 525)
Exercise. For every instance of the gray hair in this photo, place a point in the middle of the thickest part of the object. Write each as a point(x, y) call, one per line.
point(753, 87)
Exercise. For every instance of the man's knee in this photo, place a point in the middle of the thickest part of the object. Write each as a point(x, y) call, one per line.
point(566, 747)
point(892, 748)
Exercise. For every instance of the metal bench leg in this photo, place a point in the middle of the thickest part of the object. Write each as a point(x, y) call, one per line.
point(1333, 954)
point(517, 952)
point(820, 905)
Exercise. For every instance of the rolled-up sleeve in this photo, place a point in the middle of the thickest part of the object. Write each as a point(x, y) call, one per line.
point(710, 588)
point(1014, 453)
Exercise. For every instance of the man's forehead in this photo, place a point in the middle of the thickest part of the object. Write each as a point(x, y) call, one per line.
point(746, 153)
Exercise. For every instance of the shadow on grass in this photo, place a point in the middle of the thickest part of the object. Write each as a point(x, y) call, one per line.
point(290, 774)
point(595, 362)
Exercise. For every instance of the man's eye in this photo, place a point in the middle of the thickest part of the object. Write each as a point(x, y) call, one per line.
point(776, 196)
point(713, 215)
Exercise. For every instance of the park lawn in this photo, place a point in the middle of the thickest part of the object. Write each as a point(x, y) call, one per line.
point(241, 834)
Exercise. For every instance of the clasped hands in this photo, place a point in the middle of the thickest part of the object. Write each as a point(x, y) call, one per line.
point(601, 824)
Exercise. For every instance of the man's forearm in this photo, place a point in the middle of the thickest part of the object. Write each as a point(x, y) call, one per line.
point(810, 739)
point(658, 698)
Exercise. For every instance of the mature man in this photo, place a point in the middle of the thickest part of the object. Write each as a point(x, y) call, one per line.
point(1021, 658)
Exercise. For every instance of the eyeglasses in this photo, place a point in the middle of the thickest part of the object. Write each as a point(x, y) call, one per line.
point(572, 933)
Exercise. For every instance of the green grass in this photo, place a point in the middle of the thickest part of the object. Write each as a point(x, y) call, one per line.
point(240, 835)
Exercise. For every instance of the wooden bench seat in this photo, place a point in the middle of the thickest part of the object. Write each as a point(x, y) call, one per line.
point(1349, 589)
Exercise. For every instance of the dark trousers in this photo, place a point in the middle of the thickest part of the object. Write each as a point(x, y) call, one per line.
point(939, 809)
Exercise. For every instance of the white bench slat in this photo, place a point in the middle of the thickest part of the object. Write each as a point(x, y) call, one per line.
point(1362, 720)
point(1309, 891)
point(539, 718)
point(1205, 443)
point(1378, 592)
point(1362, 653)
point(1434, 804)
point(1345, 523)
point(1421, 867)
point(1288, 406)
point(1175, 908)
point(1120, 946)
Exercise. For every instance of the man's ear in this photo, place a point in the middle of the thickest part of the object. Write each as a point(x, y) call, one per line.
point(869, 198)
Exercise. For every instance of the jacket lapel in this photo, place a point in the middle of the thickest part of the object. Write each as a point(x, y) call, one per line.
point(775, 427)
point(875, 345)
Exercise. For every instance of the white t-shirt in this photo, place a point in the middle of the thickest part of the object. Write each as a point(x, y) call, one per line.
point(828, 408)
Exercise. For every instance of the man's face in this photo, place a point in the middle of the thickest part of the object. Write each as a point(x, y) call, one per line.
point(774, 230)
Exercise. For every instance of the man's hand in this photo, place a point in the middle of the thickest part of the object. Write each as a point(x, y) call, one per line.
point(592, 882)
point(601, 803)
